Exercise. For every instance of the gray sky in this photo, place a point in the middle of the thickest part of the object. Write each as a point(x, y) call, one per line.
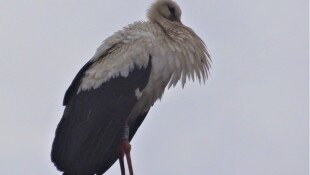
point(251, 117)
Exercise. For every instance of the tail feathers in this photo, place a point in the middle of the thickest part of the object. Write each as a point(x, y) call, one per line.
point(87, 150)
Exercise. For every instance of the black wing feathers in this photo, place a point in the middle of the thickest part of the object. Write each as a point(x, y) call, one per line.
point(89, 133)
point(73, 88)
point(134, 126)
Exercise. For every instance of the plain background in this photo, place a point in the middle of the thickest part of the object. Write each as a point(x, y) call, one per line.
point(250, 118)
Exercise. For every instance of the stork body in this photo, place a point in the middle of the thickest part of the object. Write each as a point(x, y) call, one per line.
point(118, 86)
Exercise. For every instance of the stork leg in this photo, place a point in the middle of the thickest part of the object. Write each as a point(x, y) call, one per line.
point(125, 150)
point(121, 161)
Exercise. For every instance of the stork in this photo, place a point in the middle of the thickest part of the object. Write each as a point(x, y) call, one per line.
point(111, 95)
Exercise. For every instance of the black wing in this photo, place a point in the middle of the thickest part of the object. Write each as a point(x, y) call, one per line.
point(73, 88)
point(88, 136)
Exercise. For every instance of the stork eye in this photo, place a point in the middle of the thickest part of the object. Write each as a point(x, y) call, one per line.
point(171, 9)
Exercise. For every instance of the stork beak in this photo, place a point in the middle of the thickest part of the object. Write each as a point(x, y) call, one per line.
point(174, 18)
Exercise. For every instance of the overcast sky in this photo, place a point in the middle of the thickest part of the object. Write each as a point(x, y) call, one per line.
point(250, 118)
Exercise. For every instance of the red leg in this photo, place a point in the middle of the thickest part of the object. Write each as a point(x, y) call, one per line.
point(121, 161)
point(127, 148)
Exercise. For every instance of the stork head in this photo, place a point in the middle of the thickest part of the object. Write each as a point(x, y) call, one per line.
point(164, 9)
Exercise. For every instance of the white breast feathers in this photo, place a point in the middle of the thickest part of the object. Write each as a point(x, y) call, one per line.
point(175, 55)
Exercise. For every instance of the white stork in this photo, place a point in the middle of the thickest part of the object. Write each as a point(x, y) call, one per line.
point(112, 94)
